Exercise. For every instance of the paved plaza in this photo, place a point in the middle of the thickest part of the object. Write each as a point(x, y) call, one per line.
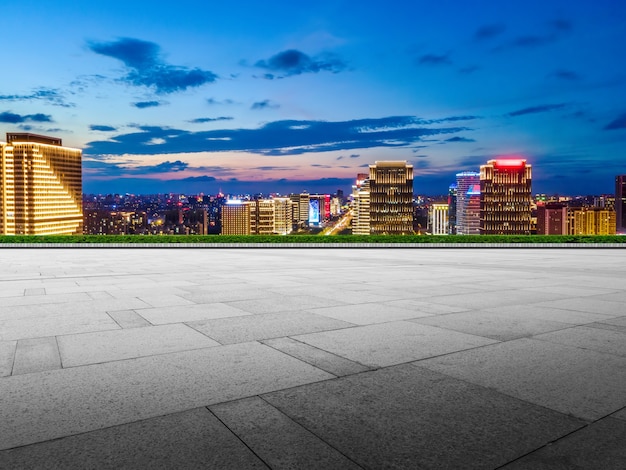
point(313, 358)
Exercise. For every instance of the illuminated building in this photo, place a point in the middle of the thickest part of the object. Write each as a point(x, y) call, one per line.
point(40, 186)
point(391, 198)
point(464, 181)
point(452, 191)
point(283, 215)
point(361, 208)
point(472, 211)
point(505, 201)
point(591, 221)
point(236, 217)
point(319, 209)
point(438, 218)
point(551, 218)
point(620, 203)
point(102, 222)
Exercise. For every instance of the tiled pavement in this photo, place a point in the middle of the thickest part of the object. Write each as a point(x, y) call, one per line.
point(314, 359)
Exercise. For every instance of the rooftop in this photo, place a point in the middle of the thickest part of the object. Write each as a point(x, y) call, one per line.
point(319, 358)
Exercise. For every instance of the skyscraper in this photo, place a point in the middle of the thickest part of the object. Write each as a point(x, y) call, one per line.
point(452, 209)
point(464, 181)
point(40, 186)
point(438, 218)
point(391, 198)
point(505, 187)
point(620, 203)
point(472, 211)
point(551, 218)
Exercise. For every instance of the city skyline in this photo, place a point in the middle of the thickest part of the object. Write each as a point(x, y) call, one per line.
point(249, 97)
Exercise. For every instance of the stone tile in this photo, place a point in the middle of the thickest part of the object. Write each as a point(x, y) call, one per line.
point(367, 314)
point(424, 308)
point(128, 319)
point(621, 414)
point(407, 417)
point(190, 439)
point(483, 300)
point(8, 303)
point(54, 404)
point(283, 304)
point(606, 341)
point(587, 304)
point(35, 291)
point(606, 326)
point(36, 355)
point(7, 355)
point(99, 294)
point(492, 324)
point(165, 300)
point(387, 344)
point(189, 313)
point(601, 445)
point(543, 313)
point(278, 440)
point(319, 358)
point(225, 293)
point(116, 345)
point(574, 381)
point(262, 326)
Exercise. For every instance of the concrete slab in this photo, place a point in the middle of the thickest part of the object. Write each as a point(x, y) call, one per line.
point(190, 439)
point(164, 300)
point(35, 291)
point(482, 300)
point(106, 346)
point(53, 404)
point(241, 329)
point(422, 307)
point(406, 417)
point(319, 358)
point(367, 314)
point(288, 303)
point(588, 304)
point(278, 440)
point(574, 381)
point(493, 324)
point(36, 355)
point(621, 414)
point(128, 319)
point(225, 293)
point(188, 313)
point(605, 341)
point(7, 355)
point(600, 445)
point(392, 343)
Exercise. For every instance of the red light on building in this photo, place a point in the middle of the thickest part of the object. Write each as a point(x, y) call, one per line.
point(510, 163)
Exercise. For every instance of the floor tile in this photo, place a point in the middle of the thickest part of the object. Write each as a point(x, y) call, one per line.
point(36, 355)
point(189, 313)
point(596, 339)
point(128, 319)
point(366, 314)
point(7, 355)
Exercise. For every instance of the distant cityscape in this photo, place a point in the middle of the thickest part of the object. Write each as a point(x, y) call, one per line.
point(41, 194)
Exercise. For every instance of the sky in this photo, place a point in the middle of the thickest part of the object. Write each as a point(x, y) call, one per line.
point(281, 96)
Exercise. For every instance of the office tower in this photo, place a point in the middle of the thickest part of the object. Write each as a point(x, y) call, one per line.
point(391, 198)
point(283, 215)
point(438, 218)
point(40, 186)
point(551, 218)
point(620, 203)
point(505, 187)
point(361, 205)
point(464, 181)
point(471, 219)
point(236, 217)
point(262, 217)
point(591, 221)
point(452, 209)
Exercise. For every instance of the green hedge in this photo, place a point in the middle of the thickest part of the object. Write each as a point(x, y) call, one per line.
point(313, 239)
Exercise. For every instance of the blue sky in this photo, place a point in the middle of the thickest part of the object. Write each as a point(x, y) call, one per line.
point(277, 96)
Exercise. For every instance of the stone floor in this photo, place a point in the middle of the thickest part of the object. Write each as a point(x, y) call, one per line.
point(318, 358)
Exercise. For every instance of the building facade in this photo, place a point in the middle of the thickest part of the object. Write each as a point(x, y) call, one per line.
point(471, 212)
point(464, 181)
point(591, 221)
point(620, 203)
point(551, 218)
point(236, 218)
point(40, 186)
point(438, 219)
point(505, 200)
point(391, 198)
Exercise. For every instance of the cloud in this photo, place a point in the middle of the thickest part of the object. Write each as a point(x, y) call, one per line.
point(619, 123)
point(536, 109)
point(147, 104)
point(47, 95)
point(95, 127)
point(147, 68)
point(286, 137)
point(265, 104)
point(459, 139)
point(13, 118)
point(354, 155)
point(203, 120)
point(565, 75)
point(163, 167)
point(434, 59)
point(294, 62)
point(213, 101)
point(489, 31)
point(557, 27)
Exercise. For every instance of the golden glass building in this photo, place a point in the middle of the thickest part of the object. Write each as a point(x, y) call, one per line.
point(505, 197)
point(40, 186)
point(391, 198)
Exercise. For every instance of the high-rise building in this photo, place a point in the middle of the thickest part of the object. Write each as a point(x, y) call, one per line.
point(361, 205)
point(391, 198)
point(258, 217)
point(464, 181)
point(471, 213)
point(438, 218)
point(551, 218)
point(620, 203)
point(591, 221)
point(236, 217)
point(40, 186)
point(452, 208)
point(505, 200)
